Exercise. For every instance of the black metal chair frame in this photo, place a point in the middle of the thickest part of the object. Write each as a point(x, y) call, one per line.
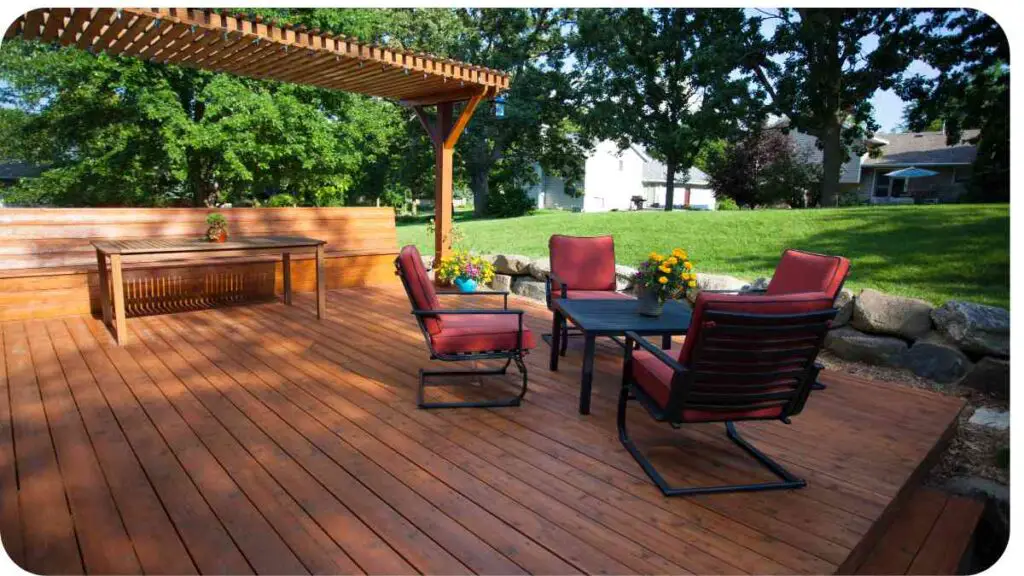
point(681, 396)
point(510, 356)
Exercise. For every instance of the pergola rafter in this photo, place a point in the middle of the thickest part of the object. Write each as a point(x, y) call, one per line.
point(254, 48)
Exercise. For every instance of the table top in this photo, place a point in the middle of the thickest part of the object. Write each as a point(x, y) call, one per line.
point(169, 245)
point(616, 316)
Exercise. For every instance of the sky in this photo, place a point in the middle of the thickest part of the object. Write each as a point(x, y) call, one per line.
point(888, 106)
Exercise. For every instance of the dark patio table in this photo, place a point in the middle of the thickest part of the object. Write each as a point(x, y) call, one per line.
point(611, 318)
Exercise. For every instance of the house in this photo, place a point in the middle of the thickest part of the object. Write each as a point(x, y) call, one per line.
point(926, 150)
point(12, 172)
point(867, 174)
point(613, 177)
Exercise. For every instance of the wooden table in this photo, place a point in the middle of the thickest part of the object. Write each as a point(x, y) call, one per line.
point(611, 318)
point(112, 283)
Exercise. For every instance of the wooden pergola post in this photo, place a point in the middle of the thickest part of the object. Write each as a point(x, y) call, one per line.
point(444, 134)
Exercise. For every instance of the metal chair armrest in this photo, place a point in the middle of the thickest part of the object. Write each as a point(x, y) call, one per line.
point(656, 351)
point(503, 293)
point(466, 311)
point(563, 286)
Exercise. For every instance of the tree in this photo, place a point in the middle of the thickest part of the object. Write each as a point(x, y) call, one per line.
point(667, 79)
point(817, 73)
point(972, 90)
point(764, 168)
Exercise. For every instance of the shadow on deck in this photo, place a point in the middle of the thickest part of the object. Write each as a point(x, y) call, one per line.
point(255, 438)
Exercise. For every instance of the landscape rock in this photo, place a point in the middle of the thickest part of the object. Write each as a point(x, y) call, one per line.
point(527, 286)
point(512, 264)
point(880, 313)
point(502, 282)
point(976, 328)
point(976, 486)
point(625, 276)
point(936, 358)
point(720, 282)
point(991, 418)
point(758, 285)
point(539, 269)
point(844, 303)
point(990, 375)
point(850, 344)
point(428, 261)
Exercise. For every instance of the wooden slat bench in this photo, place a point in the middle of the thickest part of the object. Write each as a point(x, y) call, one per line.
point(48, 265)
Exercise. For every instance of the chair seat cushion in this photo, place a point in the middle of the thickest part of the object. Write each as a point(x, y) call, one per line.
point(594, 295)
point(464, 334)
point(654, 377)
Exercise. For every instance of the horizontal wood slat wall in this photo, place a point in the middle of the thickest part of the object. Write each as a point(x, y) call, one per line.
point(48, 267)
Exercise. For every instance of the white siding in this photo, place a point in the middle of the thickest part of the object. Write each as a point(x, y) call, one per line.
point(611, 178)
point(549, 193)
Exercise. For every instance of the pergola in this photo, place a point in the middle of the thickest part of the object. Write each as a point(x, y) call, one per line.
point(210, 40)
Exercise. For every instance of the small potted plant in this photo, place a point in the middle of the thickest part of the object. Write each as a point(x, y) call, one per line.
point(661, 278)
point(217, 228)
point(463, 271)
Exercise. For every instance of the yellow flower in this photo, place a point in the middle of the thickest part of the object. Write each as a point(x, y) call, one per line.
point(677, 252)
point(688, 265)
point(663, 280)
point(672, 261)
point(653, 256)
point(692, 284)
point(665, 269)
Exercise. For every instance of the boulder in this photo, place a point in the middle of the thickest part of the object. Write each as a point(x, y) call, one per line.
point(937, 359)
point(720, 282)
point(511, 264)
point(758, 285)
point(880, 313)
point(539, 269)
point(990, 375)
point(975, 328)
point(625, 276)
point(991, 418)
point(976, 486)
point(527, 286)
point(844, 303)
point(428, 261)
point(850, 344)
point(502, 282)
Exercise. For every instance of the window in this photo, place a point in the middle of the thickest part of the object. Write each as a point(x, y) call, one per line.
point(881, 185)
point(886, 187)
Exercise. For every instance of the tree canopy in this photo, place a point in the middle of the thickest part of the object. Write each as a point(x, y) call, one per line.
point(668, 79)
point(819, 75)
point(971, 90)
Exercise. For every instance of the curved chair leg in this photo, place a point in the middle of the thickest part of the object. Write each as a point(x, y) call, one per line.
point(565, 337)
point(498, 403)
point(787, 482)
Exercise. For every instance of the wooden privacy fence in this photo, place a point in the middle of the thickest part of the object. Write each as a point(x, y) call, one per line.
point(48, 266)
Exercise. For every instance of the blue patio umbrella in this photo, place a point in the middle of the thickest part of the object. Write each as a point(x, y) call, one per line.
point(912, 172)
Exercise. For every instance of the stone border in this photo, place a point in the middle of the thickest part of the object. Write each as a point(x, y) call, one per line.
point(958, 342)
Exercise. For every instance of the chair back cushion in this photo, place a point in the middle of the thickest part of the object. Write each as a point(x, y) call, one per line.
point(421, 291)
point(583, 262)
point(800, 271)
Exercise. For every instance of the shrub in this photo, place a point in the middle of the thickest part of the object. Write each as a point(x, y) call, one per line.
point(282, 201)
point(509, 201)
point(726, 203)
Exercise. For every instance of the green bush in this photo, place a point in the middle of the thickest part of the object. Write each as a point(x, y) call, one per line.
point(281, 201)
point(726, 203)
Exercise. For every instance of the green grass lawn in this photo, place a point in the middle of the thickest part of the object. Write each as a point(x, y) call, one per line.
point(937, 253)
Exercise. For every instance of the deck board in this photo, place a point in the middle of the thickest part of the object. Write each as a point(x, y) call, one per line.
point(255, 439)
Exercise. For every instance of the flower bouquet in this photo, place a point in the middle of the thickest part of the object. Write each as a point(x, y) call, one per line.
point(464, 271)
point(661, 278)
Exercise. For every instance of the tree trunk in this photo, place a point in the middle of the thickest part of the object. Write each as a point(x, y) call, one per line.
point(480, 186)
point(670, 184)
point(832, 163)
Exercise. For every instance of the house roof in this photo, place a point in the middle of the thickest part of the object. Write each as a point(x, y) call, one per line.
point(18, 170)
point(924, 148)
point(655, 171)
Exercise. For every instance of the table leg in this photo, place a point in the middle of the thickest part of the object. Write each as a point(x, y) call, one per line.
point(117, 281)
point(666, 341)
point(588, 372)
point(556, 337)
point(321, 284)
point(286, 271)
point(101, 261)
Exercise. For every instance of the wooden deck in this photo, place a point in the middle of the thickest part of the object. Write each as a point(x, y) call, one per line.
point(255, 439)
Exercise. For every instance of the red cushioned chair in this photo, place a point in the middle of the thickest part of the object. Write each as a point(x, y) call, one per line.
point(745, 357)
point(582, 267)
point(457, 335)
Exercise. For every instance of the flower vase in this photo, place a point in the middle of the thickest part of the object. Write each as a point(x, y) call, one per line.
point(465, 284)
point(648, 303)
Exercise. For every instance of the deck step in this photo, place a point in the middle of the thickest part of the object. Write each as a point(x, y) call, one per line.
point(929, 535)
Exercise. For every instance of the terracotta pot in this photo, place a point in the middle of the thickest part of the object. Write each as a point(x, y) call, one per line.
point(219, 236)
